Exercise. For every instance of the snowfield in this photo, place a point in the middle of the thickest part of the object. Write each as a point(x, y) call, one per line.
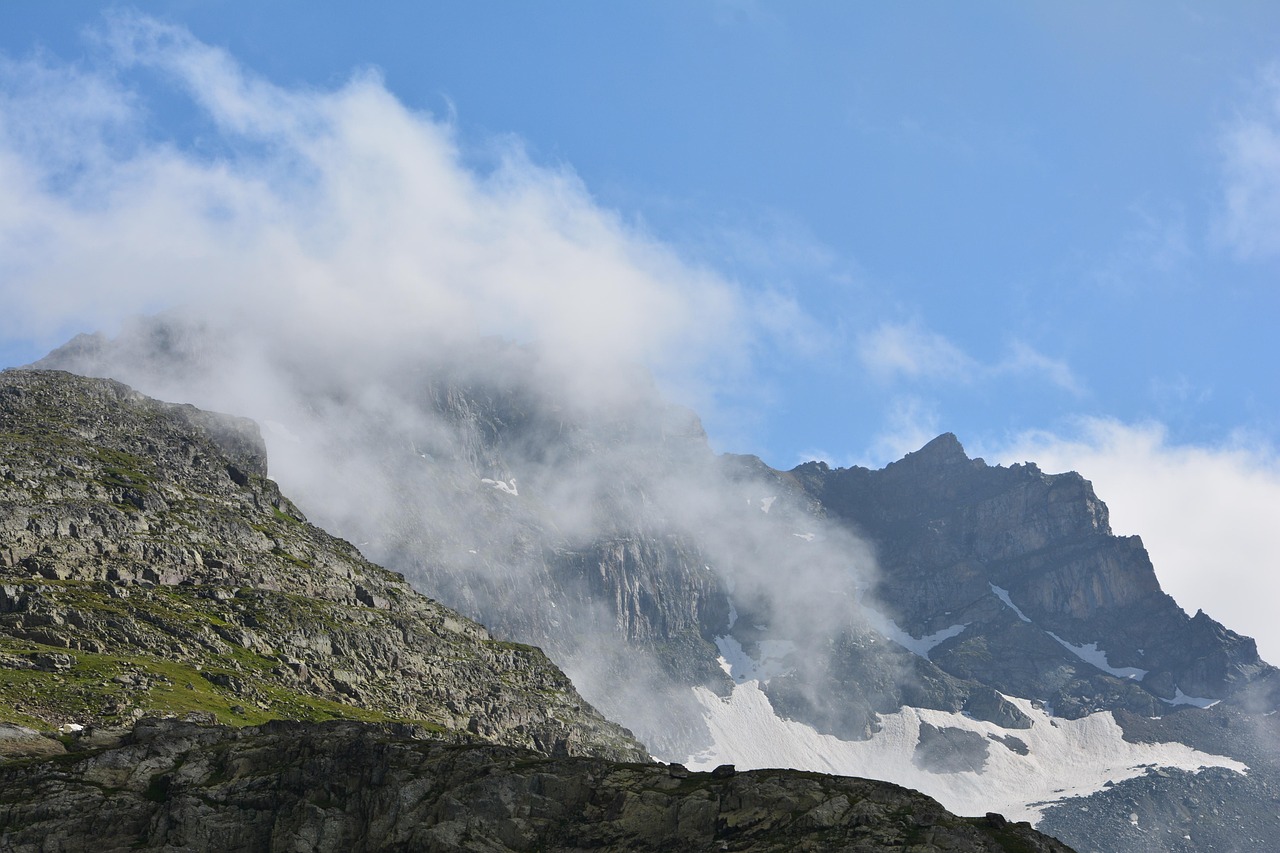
point(1065, 758)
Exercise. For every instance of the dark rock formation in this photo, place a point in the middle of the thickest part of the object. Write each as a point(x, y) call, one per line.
point(357, 787)
point(1173, 811)
point(953, 534)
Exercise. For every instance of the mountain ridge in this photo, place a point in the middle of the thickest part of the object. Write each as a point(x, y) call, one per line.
point(954, 605)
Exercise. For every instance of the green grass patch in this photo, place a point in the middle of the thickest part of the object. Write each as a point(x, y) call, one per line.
point(511, 645)
point(284, 516)
point(289, 558)
point(83, 692)
point(123, 470)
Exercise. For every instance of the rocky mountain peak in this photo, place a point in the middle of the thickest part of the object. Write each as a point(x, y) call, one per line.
point(1034, 556)
point(944, 450)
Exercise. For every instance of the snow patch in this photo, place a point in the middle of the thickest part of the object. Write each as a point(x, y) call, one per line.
point(1065, 758)
point(922, 646)
point(1180, 698)
point(509, 488)
point(740, 666)
point(1003, 595)
point(1091, 654)
point(767, 503)
point(808, 537)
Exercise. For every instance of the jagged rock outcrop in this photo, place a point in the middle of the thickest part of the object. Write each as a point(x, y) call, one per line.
point(148, 565)
point(359, 787)
point(954, 534)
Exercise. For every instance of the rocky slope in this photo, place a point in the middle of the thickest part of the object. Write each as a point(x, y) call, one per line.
point(148, 565)
point(548, 519)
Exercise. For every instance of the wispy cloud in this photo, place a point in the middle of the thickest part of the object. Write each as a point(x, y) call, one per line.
point(908, 351)
point(1249, 221)
point(910, 423)
point(1023, 360)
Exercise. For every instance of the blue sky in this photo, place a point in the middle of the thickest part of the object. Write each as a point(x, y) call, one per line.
point(836, 229)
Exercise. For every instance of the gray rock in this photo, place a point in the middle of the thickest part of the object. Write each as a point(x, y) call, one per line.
point(360, 787)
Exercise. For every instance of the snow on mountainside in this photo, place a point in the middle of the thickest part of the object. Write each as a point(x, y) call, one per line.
point(988, 767)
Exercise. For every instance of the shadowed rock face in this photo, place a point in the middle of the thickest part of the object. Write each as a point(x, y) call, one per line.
point(358, 787)
point(952, 532)
point(148, 565)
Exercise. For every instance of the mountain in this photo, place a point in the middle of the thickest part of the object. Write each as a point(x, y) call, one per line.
point(150, 566)
point(954, 531)
point(225, 675)
point(973, 631)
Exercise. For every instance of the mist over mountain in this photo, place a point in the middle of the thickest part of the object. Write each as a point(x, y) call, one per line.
point(976, 632)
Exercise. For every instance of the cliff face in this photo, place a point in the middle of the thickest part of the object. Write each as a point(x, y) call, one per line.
point(355, 787)
point(148, 565)
point(611, 536)
point(955, 538)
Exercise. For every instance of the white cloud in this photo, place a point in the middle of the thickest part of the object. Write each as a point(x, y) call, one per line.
point(1208, 515)
point(910, 351)
point(1023, 360)
point(335, 216)
point(1250, 220)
